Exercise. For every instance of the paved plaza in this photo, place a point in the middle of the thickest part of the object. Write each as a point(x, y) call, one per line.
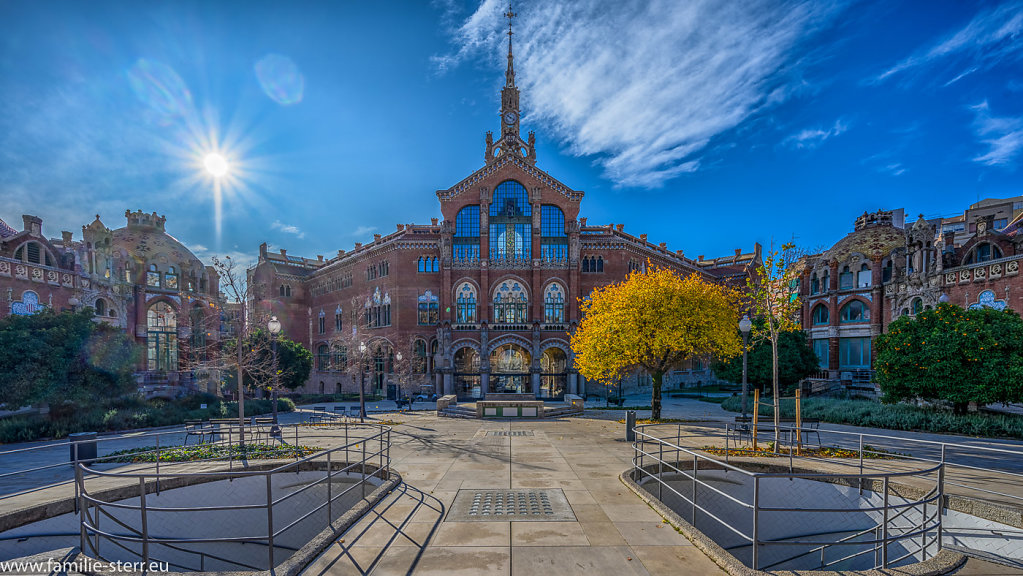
point(609, 529)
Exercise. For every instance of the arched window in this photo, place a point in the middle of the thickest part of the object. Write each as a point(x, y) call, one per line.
point(161, 338)
point(101, 307)
point(465, 304)
point(825, 281)
point(815, 284)
point(863, 277)
point(170, 279)
point(983, 253)
point(429, 313)
point(466, 243)
point(510, 222)
point(419, 357)
point(886, 271)
point(554, 304)
point(282, 290)
point(918, 306)
point(153, 277)
point(553, 240)
point(33, 253)
point(593, 264)
point(127, 272)
point(322, 358)
point(855, 311)
point(340, 357)
point(845, 278)
point(510, 303)
point(338, 319)
point(321, 322)
point(820, 315)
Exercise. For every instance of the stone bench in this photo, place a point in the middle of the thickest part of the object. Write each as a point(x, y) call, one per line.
point(507, 408)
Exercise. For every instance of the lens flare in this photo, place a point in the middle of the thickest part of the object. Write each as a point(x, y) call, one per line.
point(280, 79)
point(216, 165)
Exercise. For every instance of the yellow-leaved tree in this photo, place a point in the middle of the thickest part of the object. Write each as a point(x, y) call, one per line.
point(655, 320)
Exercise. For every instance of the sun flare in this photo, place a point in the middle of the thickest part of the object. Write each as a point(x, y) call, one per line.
point(215, 164)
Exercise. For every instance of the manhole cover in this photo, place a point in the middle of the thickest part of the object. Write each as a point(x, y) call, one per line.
point(510, 433)
point(510, 506)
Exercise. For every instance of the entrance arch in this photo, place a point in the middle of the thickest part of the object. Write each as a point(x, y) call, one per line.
point(553, 373)
point(509, 370)
point(467, 373)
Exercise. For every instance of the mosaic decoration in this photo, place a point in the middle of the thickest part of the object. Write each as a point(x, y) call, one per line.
point(28, 305)
point(987, 300)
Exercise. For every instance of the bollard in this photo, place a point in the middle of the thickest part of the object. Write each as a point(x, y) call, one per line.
point(630, 425)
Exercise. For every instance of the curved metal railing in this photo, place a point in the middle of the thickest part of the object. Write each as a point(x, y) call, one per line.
point(910, 524)
point(125, 522)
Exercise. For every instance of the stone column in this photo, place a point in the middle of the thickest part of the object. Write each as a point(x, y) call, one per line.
point(534, 380)
point(573, 383)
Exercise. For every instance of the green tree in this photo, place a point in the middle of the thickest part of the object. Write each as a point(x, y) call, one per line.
point(772, 293)
point(959, 356)
point(64, 358)
point(294, 362)
point(796, 360)
point(655, 320)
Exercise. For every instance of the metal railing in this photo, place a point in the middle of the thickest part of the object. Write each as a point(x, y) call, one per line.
point(127, 522)
point(882, 521)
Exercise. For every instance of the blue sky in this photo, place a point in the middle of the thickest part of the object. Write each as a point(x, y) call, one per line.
point(709, 125)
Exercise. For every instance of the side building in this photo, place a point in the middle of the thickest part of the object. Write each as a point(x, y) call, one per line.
point(483, 299)
point(886, 268)
point(137, 278)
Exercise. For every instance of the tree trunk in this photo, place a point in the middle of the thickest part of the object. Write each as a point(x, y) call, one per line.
point(241, 393)
point(777, 396)
point(655, 402)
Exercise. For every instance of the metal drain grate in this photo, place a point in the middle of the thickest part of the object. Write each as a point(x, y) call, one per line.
point(510, 433)
point(510, 505)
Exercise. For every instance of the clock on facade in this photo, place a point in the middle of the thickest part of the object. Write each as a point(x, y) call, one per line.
point(510, 117)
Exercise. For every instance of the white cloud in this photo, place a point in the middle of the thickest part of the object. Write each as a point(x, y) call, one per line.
point(987, 39)
point(364, 230)
point(811, 138)
point(1003, 137)
point(287, 228)
point(646, 90)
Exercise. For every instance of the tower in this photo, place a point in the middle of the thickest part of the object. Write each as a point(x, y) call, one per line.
point(510, 142)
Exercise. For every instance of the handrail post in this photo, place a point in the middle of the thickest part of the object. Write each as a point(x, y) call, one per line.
point(363, 468)
point(756, 521)
point(660, 468)
point(145, 523)
point(861, 465)
point(158, 464)
point(884, 527)
point(941, 494)
point(330, 470)
point(269, 522)
point(80, 489)
point(696, 471)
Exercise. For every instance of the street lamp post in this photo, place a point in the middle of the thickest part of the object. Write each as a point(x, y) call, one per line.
point(274, 326)
point(362, 381)
point(744, 326)
point(397, 357)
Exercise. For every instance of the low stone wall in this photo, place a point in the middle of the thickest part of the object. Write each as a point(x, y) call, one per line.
point(509, 408)
point(574, 401)
point(445, 401)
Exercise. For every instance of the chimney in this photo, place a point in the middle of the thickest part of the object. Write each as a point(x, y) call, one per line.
point(582, 222)
point(319, 257)
point(621, 227)
point(680, 253)
point(642, 238)
point(433, 221)
point(663, 245)
point(738, 252)
point(33, 224)
point(262, 251)
point(700, 257)
point(284, 253)
point(358, 245)
point(66, 236)
point(949, 239)
point(340, 253)
point(376, 237)
point(401, 227)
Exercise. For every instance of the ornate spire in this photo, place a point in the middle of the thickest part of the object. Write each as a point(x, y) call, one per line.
point(509, 75)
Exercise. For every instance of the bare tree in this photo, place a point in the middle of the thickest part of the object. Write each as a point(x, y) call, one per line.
point(239, 354)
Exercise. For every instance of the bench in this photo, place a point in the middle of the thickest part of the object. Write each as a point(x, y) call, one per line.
point(743, 428)
point(808, 426)
point(198, 428)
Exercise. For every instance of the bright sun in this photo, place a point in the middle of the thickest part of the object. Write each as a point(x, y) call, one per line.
point(215, 164)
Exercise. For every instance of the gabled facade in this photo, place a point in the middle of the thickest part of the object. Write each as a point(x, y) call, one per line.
point(485, 296)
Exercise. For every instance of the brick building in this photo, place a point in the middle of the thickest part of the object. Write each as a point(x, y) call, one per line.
point(138, 278)
point(483, 298)
point(887, 268)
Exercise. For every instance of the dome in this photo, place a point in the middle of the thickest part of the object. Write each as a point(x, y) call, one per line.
point(871, 241)
point(146, 241)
